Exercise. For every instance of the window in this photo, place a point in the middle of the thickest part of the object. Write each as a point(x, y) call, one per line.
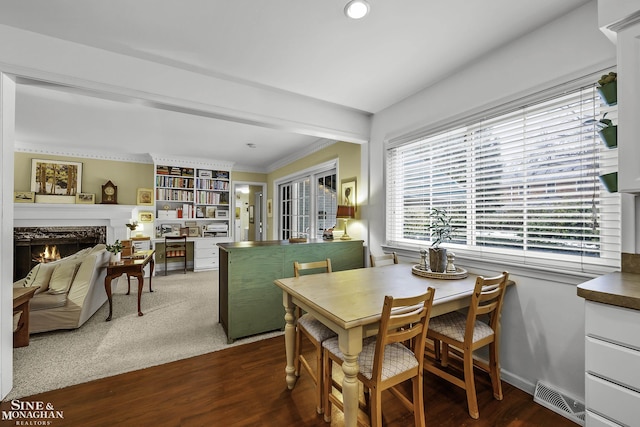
point(521, 185)
point(308, 203)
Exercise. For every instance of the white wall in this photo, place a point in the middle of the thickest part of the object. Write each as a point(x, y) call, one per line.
point(543, 319)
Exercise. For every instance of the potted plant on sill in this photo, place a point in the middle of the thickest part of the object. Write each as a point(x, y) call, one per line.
point(608, 132)
point(608, 88)
point(441, 230)
point(115, 250)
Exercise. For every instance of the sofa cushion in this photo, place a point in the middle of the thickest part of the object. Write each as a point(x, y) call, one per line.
point(46, 301)
point(62, 277)
point(39, 276)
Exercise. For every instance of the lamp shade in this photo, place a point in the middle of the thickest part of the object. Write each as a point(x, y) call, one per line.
point(346, 211)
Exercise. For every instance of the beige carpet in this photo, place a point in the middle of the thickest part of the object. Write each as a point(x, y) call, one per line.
point(180, 321)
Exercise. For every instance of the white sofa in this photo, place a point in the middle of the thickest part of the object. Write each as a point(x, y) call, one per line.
point(70, 290)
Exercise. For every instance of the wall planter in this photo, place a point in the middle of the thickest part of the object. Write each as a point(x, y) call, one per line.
point(609, 136)
point(610, 181)
point(608, 88)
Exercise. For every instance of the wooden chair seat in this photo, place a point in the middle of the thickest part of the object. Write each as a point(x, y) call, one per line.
point(385, 361)
point(455, 333)
point(175, 247)
point(313, 330)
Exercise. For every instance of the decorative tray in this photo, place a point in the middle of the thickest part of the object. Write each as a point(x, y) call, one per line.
point(460, 273)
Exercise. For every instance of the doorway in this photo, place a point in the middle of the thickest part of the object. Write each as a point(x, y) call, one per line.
point(249, 211)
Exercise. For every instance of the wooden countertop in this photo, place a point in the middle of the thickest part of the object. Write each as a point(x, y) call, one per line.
point(257, 244)
point(621, 289)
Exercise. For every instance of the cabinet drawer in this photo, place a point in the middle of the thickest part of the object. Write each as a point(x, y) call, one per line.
point(205, 263)
point(616, 402)
point(206, 253)
point(613, 362)
point(595, 420)
point(617, 324)
point(205, 244)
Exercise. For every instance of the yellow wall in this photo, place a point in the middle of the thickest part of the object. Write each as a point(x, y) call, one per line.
point(127, 176)
point(248, 176)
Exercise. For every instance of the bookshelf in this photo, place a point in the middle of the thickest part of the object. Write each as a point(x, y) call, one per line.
point(193, 195)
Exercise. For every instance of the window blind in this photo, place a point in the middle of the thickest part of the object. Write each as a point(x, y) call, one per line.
point(521, 186)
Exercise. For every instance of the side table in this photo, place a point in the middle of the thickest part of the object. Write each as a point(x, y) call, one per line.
point(21, 299)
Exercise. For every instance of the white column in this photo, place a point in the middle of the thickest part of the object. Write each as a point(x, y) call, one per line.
point(7, 137)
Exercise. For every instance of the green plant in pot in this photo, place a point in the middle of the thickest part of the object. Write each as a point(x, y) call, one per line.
point(441, 230)
point(608, 132)
point(115, 250)
point(608, 88)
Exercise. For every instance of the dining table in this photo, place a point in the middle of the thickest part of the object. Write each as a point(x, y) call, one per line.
point(350, 303)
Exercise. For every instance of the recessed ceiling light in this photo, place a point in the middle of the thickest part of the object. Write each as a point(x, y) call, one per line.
point(356, 9)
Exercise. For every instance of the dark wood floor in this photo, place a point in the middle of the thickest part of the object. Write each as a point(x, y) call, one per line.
point(245, 386)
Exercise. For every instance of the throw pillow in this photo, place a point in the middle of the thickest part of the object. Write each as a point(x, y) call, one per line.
point(62, 278)
point(40, 276)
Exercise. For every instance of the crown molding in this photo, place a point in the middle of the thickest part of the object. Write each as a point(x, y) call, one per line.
point(620, 25)
point(194, 162)
point(81, 153)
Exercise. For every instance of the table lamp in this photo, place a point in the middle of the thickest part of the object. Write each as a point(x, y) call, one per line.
point(346, 213)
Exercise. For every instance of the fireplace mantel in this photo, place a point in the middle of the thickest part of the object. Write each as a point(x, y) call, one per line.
point(51, 215)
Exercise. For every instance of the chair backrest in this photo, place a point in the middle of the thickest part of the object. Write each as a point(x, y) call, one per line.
point(299, 267)
point(382, 260)
point(487, 299)
point(175, 243)
point(403, 320)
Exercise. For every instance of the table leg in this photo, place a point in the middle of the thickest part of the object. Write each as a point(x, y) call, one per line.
point(140, 277)
point(151, 266)
point(107, 288)
point(350, 390)
point(290, 343)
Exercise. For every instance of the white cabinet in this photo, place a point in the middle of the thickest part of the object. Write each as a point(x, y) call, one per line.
point(206, 254)
point(612, 364)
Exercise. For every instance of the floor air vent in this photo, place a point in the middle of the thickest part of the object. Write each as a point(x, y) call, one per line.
point(557, 402)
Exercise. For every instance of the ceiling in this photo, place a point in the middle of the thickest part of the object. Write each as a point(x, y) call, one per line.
point(303, 47)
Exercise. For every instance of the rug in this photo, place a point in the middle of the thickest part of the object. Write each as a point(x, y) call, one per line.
point(180, 321)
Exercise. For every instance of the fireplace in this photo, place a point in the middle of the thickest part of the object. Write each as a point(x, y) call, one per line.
point(33, 245)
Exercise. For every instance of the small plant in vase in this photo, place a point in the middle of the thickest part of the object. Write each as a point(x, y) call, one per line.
point(115, 249)
point(441, 230)
point(608, 88)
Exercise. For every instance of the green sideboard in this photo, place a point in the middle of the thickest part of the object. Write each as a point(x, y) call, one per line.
point(249, 301)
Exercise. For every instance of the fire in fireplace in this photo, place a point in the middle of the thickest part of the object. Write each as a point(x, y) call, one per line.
point(33, 245)
point(50, 254)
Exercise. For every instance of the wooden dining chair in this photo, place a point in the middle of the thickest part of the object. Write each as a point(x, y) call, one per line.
point(385, 361)
point(175, 247)
point(460, 335)
point(382, 260)
point(314, 331)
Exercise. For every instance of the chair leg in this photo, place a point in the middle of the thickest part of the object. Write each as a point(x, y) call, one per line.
point(494, 368)
point(444, 355)
point(470, 385)
point(165, 263)
point(319, 377)
point(418, 400)
point(376, 407)
point(298, 351)
point(327, 385)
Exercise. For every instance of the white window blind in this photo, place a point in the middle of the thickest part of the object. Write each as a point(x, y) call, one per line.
point(521, 186)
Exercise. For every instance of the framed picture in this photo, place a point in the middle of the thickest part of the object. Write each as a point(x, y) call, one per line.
point(85, 198)
point(269, 208)
point(219, 213)
point(52, 177)
point(205, 174)
point(251, 214)
point(210, 212)
point(348, 193)
point(145, 196)
point(24, 197)
point(194, 231)
point(145, 216)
